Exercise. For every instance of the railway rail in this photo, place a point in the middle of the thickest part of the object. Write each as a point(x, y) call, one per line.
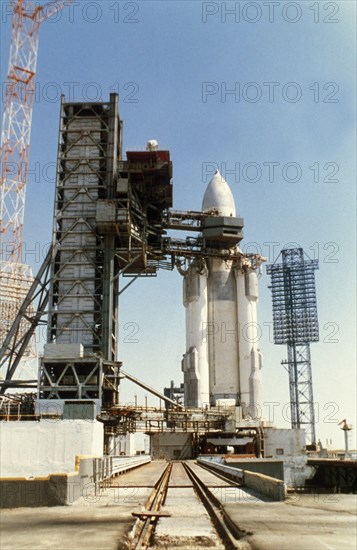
point(226, 529)
point(148, 518)
point(184, 476)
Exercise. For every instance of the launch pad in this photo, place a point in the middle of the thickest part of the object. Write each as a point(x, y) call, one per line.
point(112, 223)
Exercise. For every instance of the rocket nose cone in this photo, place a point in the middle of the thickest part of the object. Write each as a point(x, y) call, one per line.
point(219, 196)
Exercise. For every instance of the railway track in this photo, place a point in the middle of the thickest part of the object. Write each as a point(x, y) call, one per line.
point(148, 518)
point(183, 510)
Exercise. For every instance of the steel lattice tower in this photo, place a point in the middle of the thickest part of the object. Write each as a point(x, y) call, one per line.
point(16, 277)
point(296, 324)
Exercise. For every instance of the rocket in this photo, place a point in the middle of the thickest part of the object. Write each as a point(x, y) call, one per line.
point(222, 363)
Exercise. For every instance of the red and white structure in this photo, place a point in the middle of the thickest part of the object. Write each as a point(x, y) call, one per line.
point(15, 277)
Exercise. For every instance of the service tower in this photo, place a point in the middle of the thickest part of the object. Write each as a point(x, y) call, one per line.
point(223, 362)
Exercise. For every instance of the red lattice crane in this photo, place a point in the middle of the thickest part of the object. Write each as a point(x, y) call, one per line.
point(15, 277)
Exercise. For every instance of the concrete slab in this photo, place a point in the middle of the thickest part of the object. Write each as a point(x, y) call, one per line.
point(311, 522)
point(224, 491)
point(178, 476)
point(189, 525)
point(208, 478)
point(95, 522)
point(145, 476)
point(91, 522)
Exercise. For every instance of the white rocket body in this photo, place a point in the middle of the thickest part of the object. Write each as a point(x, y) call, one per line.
point(195, 361)
point(222, 362)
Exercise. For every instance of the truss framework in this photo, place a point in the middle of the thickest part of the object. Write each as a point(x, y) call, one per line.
point(88, 378)
point(16, 128)
point(83, 291)
point(123, 419)
point(294, 298)
point(296, 324)
point(29, 316)
point(16, 124)
point(300, 386)
point(15, 277)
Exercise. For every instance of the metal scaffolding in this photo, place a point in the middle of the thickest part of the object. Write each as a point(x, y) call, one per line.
point(81, 291)
point(79, 362)
point(296, 324)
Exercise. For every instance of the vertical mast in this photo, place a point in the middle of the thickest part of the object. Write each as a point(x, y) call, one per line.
point(16, 278)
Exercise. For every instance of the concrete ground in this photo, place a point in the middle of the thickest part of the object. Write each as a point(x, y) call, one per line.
point(189, 525)
point(144, 476)
point(304, 522)
point(90, 523)
point(307, 522)
point(82, 526)
point(104, 522)
point(224, 491)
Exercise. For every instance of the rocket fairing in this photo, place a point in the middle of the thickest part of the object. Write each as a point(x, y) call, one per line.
point(223, 362)
point(218, 197)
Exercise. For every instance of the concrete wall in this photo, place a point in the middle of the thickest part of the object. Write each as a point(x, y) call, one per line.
point(284, 442)
point(272, 468)
point(63, 489)
point(296, 471)
point(293, 470)
point(265, 485)
point(47, 447)
point(123, 445)
point(171, 446)
point(53, 490)
point(22, 492)
point(262, 484)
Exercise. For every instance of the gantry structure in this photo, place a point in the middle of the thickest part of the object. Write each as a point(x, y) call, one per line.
point(107, 223)
point(296, 325)
point(111, 221)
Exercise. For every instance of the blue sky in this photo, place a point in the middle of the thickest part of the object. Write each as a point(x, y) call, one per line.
point(174, 63)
